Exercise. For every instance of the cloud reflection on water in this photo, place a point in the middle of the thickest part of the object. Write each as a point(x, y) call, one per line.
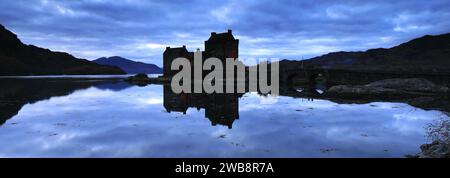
point(133, 123)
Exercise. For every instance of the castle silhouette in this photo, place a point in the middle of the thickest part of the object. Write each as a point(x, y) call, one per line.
point(220, 109)
point(219, 45)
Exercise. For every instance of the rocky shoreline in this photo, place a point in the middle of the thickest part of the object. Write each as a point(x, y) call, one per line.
point(392, 87)
point(439, 133)
point(143, 80)
point(436, 149)
point(414, 91)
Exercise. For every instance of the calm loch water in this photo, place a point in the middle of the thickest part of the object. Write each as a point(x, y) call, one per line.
point(94, 118)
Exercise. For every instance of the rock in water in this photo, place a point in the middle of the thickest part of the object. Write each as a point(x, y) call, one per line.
point(139, 79)
point(141, 76)
point(359, 90)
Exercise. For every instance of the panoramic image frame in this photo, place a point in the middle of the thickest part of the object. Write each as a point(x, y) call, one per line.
point(224, 81)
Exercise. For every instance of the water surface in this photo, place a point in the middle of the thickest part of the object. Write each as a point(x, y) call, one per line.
point(50, 118)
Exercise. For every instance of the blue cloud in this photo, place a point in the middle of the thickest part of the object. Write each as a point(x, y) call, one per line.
point(140, 30)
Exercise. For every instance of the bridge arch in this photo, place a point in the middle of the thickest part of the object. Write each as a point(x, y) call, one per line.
point(312, 81)
point(318, 77)
point(293, 78)
point(306, 77)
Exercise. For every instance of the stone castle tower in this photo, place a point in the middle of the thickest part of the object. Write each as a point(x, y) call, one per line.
point(219, 45)
point(171, 54)
point(222, 46)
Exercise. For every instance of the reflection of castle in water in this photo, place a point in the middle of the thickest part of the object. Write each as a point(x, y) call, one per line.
point(220, 109)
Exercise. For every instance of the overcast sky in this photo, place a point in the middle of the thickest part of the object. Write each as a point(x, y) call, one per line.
point(140, 30)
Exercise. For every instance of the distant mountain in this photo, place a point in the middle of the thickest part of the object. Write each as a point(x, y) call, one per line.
point(17, 58)
point(129, 66)
point(428, 54)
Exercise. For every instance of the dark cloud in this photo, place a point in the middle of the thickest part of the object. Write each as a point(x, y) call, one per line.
point(140, 30)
